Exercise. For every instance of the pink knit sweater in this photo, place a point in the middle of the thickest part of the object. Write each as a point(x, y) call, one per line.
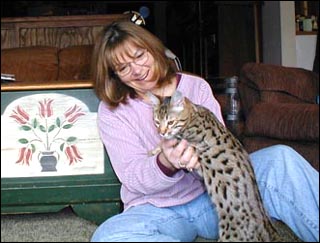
point(128, 133)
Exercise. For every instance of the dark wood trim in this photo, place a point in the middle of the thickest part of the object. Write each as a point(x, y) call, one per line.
point(306, 32)
point(48, 85)
point(57, 31)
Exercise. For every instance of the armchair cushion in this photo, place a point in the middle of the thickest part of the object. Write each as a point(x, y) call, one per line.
point(297, 82)
point(75, 62)
point(284, 121)
point(31, 63)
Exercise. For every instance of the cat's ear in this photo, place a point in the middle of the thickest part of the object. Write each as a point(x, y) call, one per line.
point(177, 100)
point(153, 99)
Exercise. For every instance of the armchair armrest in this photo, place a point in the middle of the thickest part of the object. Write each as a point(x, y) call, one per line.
point(276, 84)
point(284, 121)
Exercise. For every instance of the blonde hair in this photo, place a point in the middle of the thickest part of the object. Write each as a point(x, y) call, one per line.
point(112, 41)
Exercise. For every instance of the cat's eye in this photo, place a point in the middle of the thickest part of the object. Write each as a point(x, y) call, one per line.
point(170, 123)
point(157, 123)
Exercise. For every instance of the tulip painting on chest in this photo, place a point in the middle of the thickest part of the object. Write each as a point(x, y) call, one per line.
point(49, 134)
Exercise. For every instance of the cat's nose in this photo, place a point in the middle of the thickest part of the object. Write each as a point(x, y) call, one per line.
point(162, 132)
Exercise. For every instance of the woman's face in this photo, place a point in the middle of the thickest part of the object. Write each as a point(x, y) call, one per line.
point(136, 69)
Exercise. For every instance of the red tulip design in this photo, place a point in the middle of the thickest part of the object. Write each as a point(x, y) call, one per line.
point(73, 154)
point(73, 113)
point(25, 156)
point(47, 131)
point(20, 115)
point(45, 108)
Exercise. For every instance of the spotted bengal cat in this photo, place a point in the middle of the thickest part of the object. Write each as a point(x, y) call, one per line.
point(225, 168)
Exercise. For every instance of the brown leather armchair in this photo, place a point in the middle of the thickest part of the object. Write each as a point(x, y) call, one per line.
point(279, 107)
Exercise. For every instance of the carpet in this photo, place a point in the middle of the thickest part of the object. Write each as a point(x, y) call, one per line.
point(65, 226)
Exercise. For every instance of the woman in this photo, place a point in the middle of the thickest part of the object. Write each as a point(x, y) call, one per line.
point(162, 202)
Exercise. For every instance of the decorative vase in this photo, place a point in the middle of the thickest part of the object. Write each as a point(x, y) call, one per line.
point(48, 161)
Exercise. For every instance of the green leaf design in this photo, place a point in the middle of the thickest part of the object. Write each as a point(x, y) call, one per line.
point(71, 139)
point(25, 128)
point(42, 128)
point(34, 123)
point(33, 148)
point(62, 146)
point(52, 127)
point(67, 126)
point(58, 122)
point(23, 140)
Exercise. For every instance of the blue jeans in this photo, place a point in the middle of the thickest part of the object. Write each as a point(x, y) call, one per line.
point(288, 184)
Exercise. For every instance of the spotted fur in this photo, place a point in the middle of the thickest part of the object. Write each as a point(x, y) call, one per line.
point(225, 168)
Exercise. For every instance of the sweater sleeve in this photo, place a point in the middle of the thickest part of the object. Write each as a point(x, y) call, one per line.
point(208, 100)
point(123, 134)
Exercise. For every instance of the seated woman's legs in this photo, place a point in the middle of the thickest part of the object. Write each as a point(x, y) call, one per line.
point(141, 224)
point(289, 186)
point(147, 223)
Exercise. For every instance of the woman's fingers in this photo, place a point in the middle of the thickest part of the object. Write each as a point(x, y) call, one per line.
point(180, 154)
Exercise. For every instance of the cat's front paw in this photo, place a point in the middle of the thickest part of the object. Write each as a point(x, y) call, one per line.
point(155, 151)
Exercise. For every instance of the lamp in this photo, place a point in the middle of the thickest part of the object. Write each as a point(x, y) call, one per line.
point(136, 17)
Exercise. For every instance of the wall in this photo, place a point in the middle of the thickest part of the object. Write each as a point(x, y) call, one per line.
point(281, 45)
point(306, 50)
point(288, 34)
point(278, 28)
point(271, 44)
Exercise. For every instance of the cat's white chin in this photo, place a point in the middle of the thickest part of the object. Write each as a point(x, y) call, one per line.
point(168, 136)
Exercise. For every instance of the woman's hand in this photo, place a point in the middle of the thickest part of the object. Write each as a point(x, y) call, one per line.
point(178, 155)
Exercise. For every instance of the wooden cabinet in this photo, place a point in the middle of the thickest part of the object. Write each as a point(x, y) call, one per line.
point(214, 39)
point(56, 31)
point(90, 188)
point(239, 35)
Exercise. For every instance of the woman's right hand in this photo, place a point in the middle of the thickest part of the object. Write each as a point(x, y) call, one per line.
point(178, 155)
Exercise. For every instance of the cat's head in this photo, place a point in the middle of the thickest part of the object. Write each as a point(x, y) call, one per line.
point(169, 115)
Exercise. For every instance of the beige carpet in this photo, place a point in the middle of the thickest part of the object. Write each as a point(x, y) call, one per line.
point(65, 226)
